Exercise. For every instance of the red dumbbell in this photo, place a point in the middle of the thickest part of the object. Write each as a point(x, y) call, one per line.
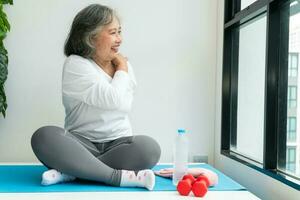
point(200, 186)
point(184, 186)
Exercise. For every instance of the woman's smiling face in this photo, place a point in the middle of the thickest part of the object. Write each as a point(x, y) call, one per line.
point(108, 41)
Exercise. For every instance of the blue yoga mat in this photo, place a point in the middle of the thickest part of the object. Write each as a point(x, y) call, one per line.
point(27, 178)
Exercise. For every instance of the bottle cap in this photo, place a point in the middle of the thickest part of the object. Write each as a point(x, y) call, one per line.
point(181, 131)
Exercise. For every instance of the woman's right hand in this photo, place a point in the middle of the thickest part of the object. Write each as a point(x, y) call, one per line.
point(120, 62)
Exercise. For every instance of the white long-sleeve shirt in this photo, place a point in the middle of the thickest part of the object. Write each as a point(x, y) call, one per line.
point(96, 105)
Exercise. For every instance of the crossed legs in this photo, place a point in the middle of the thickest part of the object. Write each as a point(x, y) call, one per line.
point(80, 158)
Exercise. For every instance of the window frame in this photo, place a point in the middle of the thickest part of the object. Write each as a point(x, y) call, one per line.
point(276, 85)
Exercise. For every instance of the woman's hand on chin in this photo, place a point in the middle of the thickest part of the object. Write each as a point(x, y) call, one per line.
point(120, 62)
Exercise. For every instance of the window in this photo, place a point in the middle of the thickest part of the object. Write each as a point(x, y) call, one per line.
point(251, 84)
point(260, 86)
point(292, 155)
point(291, 159)
point(292, 96)
point(291, 129)
point(245, 3)
point(293, 64)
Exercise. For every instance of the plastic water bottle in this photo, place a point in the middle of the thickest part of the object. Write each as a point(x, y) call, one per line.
point(180, 156)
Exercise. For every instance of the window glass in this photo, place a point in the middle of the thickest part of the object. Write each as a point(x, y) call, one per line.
point(293, 140)
point(246, 3)
point(251, 89)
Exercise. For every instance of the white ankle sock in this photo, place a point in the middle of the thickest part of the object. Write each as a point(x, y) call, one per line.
point(144, 178)
point(53, 176)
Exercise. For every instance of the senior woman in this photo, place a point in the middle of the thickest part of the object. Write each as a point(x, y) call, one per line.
point(97, 89)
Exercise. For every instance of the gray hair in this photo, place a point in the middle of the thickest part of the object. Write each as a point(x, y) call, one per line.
point(86, 24)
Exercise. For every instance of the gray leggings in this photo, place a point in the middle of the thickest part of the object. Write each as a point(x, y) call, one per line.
point(77, 156)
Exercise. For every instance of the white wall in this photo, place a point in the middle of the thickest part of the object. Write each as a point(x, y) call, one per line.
point(171, 45)
point(261, 185)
